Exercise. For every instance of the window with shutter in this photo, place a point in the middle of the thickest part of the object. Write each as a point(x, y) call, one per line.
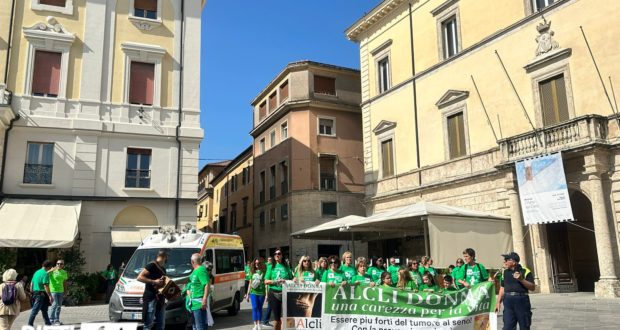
point(456, 135)
point(384, 74)
point(387, 158)
point(46, 74)
point(554, 101)
point(57, 3)
point(324, 85)
point(450, 37)
point(141, 83)
point(284, 131)
point(262, 111)
point(272, 182)
point(327, 169)
point(326, 127)
point(273, 101)
point(145, 8)
point(284, 91)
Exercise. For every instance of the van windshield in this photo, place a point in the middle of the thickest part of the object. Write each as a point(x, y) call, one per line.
point(179, 262)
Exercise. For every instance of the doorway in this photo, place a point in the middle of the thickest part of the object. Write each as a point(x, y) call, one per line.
point(573, 248)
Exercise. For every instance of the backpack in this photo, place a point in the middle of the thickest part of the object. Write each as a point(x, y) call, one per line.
point(9, 293)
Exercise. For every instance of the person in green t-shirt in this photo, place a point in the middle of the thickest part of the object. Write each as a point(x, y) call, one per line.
point(257, 290)
point(334, 276)
point(414, 271)
point(41, 295)
point(58, 285)
point(304, 271)
point(385, 279)
point(472, 272)
point(376, 270)
point(321, 267)
point(456, 273)
point(393, 269)
point(348, 266)
point(268, 313)
point(429, 283)
point(109, 276)
point(198, 292)
point(448, 284)
point(248, 276)
point(279, 273)
point(405, 282)
point(427, 266)
point(362, 277)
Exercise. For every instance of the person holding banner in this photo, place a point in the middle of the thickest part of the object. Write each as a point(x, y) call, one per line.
point(376, 271)
point(321, 268)
point(362, 277)
point(427, 266)
point(334, 275)
point(472, 272)
point(386, 279)
point(414, 271)
point(393, 268)
point(429, 283)
point(348, 267)
point(405, 282)
point(279, 273)
point(257, 291)
point(304, 272)
point(448, 283)
point(516, 282)
point(456, 273)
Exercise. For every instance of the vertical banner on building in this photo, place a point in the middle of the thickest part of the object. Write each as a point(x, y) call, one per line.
point(302, 305)
point(543, 191)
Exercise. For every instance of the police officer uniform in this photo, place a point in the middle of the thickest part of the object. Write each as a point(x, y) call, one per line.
point(517, 308)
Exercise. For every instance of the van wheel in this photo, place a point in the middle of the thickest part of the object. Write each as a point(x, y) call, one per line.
point(235, 307)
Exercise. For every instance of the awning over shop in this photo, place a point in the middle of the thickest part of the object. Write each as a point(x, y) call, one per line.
point(130, 236)
point(447, 230)
point(30, 223)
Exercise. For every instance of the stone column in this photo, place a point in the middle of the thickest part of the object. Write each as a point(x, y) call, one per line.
point(608, 285)
point(542, 262)
point(516, 221)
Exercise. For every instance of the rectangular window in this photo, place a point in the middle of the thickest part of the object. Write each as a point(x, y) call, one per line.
point(273, 101)
point(539, 5)
point(272, 215)
point(283, 178)
point(553, 100)
point(138, 173)
point(456, 135)
point(272, 138)
point(228, 261)
point(329, 209)
point(324, 85)
point(261, 146)
point(272, 182)
point(327, 168)
point(384, 74)
point(450, 37)
point(284, 91)
point(39, 163)
point(145, 8)
point(284, 131)
point(245, 211)
point(262, 111)
point(57, 3)
point(223, 223)
point(326, 127)
point(387, 158)
point(284, 211)
point(261, 218)
point(142, 83)
point(233, 183)
point(233, 216)
point(46, 74)
point(245, 178)
point(261, 183)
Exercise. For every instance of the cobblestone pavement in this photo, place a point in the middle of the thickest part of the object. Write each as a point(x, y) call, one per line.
point(556, 311)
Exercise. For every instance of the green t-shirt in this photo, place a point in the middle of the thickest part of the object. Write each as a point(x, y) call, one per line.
point(375, 273)
point(417, 277)
point(429, 288)
point(248, 275)
point(306, 276)
point(57, 280)
point(109, 274)
point(474, 274)
point(410, 286)
point(449, 289)
point(278, 272)
point(456, 275)
point(335, 277)
point(430, 269)
point(39, 279)
point(349, 271)
point(393, 270)
point(260, 289)
point(362, 279)
point(319, 273)
point(198, 279)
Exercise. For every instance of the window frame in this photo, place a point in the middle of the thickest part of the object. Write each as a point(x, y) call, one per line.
point(144, 23)
point(273, 141)
point(552, 70)
point(336, 162)
point(272, 215)
point(318, 125)
point(314, 92)
point(284, 215)
point(443, 14)
point(138, 178)
point(381, 140)
point(40, 159)
point(284, 128)
point(323, 215)
point(66, 10)
point(449, 111)
point(261, 146)
point(280, 88)
point(152, 54)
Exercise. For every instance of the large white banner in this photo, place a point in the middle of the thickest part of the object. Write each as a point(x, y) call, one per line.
point(543, 191)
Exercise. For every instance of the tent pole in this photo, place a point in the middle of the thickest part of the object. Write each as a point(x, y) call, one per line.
point(426, 240)
point(353, 244)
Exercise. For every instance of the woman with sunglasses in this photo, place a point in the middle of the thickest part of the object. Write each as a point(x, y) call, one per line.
point(376, 271)
point(348, 266)
point(279, 273)
point(257, 291)
point(414, 271)
point(334, 275)
point(361, 277)
point(304, 272)
point(456, 272)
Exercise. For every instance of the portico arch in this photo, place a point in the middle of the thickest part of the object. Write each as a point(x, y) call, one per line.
point(135, 216)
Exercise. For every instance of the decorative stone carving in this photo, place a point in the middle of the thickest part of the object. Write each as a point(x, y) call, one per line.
point(384, 126)
point(144, 24)
point(450, 97)
point(545, 39)
point(51, 29)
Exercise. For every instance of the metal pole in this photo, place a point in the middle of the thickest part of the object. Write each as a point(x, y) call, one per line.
point(514, 89)
point(483, 107)
point(426, 238)
point(597, 70)
point(613, 93)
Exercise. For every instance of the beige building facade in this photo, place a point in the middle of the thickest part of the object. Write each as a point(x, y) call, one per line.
point(454, 93)
point(204, 205)
point(308, 165)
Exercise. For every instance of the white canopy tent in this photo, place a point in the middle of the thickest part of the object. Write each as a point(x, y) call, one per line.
point(30, 223)
point(447, 230)
point(130, 236)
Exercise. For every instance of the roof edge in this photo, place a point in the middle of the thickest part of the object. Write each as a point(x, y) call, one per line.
point(378, 12)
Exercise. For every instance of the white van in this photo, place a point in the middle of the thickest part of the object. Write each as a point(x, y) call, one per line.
point(225, 252)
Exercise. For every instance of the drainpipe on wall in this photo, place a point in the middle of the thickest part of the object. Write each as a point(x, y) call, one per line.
point(178, 128)
point(6, 144)
point(415, 96)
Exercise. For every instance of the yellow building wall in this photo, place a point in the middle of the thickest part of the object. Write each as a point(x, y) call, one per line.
point(207, 213)
point(25, 17)
point(5, 16)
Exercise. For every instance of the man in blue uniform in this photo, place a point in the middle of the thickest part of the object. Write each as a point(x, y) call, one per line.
point(516, 282)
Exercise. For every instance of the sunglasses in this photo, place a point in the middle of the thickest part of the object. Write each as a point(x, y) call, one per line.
point(59, 264)
point(306, 260)
point(277, 254)
point(414, 263)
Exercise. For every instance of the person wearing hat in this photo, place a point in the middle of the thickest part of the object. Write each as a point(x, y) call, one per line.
point(516, 282)
point(10, 311)
point(153, 276)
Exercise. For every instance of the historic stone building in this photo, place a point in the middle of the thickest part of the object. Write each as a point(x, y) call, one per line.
point(455, 92)
point(205, 204)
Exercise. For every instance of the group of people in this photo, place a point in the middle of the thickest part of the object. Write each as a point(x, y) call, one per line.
point(266, 279)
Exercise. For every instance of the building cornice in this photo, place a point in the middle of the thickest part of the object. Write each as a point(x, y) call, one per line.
point(240, 159)
point(376, 14)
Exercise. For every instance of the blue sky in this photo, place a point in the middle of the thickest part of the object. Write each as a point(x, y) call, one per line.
point(246, 43)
